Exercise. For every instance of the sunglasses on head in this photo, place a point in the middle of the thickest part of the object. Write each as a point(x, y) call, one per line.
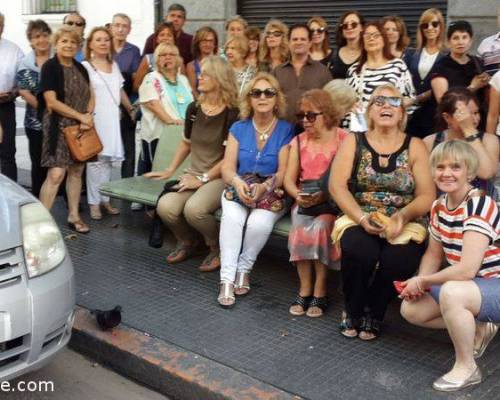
point(393, 101)
point(427, 25)
point(310, 116)
point(274, 33)
point(268, 93)
point(318, 30)
point(71, 23)
point(349, 25)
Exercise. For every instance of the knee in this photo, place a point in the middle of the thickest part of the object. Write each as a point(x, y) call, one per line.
point(260, 226)
point(165, 210)
point(451, 294)
point(193, 212)
point(55, 177)
point(411, 312)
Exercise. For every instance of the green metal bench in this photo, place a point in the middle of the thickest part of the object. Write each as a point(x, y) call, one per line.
point(146, 191)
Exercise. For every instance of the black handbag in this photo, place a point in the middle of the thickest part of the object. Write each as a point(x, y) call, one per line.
point(321, 185)
point(157, 230)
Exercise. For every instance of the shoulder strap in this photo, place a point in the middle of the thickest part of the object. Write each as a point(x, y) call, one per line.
point(298, 155)
point(438, 139)
point(357, 157)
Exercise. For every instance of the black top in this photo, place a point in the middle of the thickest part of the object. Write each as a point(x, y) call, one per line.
point(339, 68)
point(328, 61)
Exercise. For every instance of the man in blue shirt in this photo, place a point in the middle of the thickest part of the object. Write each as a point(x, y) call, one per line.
point(128, 58)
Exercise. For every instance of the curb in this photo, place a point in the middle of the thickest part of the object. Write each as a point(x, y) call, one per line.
point(165, 367)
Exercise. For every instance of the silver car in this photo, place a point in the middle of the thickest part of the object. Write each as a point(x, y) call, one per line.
point(37, 290)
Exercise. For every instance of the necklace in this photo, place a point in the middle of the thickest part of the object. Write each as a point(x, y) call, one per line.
point(210, 110)
point(264, 133)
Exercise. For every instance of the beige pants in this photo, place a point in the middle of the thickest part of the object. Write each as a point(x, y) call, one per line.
point(182, 212)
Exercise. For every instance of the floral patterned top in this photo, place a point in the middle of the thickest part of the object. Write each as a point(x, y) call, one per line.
point(384, 189)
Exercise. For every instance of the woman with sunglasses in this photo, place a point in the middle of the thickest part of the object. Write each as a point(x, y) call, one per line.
point(189, 212)
point(430, 50)
point(320, 44)
point(390, 176)
point(376, 67)
point(459, 68)
point(274, 49)
point(257, 146)
point(397, 35)
point(349, 43)
point(205, 44)
point(459, 119)
point(309, 243)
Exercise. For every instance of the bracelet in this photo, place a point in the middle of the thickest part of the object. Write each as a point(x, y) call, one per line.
point(471, 138)
point(362, 218)
point(418, 284)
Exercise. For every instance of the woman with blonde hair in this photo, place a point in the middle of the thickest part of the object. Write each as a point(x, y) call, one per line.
point(381, 181)
point(253, 168)
point(236, 51)
point(430, 49)
point(320, 47)
point(190, 210)
point(165, 95)
point(397, 35)
point(107, 83)
point(274, 45)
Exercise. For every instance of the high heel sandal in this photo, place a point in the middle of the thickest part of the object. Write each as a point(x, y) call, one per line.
point(226, 297)
point(240, 288)
point(110, 209)
point(95, 212)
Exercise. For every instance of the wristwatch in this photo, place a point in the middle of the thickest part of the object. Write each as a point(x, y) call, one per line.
point(471, 138)
point(203, 178)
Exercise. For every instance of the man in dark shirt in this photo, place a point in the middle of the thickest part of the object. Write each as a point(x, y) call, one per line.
point(176, 14)
point(127, 57)
point(300, 73)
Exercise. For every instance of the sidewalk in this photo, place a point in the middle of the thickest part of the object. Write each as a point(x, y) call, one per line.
point(176, 338)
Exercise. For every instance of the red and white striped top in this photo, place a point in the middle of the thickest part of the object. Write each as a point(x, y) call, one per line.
point(477, 213)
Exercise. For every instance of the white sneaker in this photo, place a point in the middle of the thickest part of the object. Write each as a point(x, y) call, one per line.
point(136, 206)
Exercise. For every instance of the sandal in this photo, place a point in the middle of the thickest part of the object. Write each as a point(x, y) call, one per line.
point(95, 212)
point(240, 288)
point(79, 226)
point(226, 297)
point(181, 253)
point(300, 305)
point(348, 326)
point(369, 329)
point(110, 209)
point(317, 307)
point(211, 262)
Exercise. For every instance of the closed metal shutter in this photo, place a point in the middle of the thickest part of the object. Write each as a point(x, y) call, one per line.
point(258, 12)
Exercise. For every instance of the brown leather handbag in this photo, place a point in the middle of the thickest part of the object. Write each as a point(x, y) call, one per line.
point(82, 144)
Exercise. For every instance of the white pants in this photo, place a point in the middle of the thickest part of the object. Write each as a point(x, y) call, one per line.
point(239, 247)
point(98, 172)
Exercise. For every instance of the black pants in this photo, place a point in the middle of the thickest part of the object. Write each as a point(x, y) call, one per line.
point(363, 286)
point(38, 173)
point(147, 155)
point(8, 165)
point(127, 127)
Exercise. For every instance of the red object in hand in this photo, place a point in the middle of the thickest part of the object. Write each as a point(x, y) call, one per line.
point(399, 287)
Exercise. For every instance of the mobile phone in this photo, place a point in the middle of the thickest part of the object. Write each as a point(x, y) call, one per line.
point(375, 223)
point(397, 285)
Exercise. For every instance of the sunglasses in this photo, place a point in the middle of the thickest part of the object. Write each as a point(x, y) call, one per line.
point(268, 93)
point(349, 25)
point(71, 23)
point(393, 101)
point(427, 25)
point(309, 116)
point(319, 30)
point(374, 35)
point(274, 33)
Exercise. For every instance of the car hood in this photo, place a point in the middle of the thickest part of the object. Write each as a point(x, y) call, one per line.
point(12, 196)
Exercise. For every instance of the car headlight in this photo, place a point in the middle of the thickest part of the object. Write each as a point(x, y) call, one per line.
point(43, 243)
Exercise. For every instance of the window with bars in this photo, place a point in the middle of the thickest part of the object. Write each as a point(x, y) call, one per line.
point(48, 6)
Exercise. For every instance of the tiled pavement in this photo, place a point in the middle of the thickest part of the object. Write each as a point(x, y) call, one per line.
point(303, 356)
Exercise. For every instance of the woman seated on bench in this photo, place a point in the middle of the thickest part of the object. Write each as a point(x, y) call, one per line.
point(254, 166)
point(191, 209)
point(465, 296)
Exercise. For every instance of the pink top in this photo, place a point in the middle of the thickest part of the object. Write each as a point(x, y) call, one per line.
point(316, 158)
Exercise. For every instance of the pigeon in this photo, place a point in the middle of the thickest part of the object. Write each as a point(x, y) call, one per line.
point(108, 319)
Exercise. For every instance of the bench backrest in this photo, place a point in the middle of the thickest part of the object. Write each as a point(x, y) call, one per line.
point(169, 140)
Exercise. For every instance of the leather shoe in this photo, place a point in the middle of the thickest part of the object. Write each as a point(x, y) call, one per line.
point(443, 385)
point(490, 332)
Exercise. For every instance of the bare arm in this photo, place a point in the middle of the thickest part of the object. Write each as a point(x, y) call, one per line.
point(439, 87)
point(229, 170)
point(125, 101)
point(157, 109)
point(191, 75)
point(140, 74)
point(28, 97)
point(292, 172)
point(59, 107)
point(183, 150)
point(493, 111)
point(487, 151)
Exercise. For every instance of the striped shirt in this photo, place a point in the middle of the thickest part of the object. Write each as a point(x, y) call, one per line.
point(478, 213)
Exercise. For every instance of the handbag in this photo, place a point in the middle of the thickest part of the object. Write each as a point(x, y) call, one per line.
point(157, 231)
point(82, 144)
point(321, 185)
point(274, 200)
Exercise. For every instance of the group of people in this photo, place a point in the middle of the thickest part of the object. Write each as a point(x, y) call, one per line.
point(278, 121)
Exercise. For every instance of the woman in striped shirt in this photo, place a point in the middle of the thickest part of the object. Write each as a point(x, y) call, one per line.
point(464, 227)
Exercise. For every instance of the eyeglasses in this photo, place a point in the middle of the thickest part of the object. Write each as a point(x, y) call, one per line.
point(374, 35)
point(319, 30)
point(71, 23)
point(167, 55)
point(427, 25)
point(393, 101)
point(274, 33)
point(268, 93)
point(310, 116)
point(349, 25)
